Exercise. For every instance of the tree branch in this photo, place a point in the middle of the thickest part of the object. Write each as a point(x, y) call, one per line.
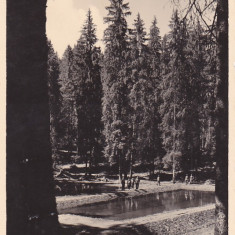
point(200, 13)
point(190, 8)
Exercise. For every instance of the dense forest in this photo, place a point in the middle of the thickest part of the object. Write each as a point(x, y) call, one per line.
point(144, 100)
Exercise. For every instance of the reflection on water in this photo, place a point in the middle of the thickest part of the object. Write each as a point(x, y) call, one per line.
point(126, 208)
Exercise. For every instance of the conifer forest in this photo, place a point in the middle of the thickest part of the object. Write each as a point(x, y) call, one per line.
point(145, 99)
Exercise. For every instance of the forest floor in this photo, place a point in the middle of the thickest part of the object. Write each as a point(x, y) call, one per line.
point(198, 220)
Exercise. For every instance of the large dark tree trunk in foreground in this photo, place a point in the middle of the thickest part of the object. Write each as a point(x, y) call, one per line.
point(221, 225)
point(31, 207)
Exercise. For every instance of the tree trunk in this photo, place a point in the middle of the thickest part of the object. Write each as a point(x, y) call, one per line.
point(173, 173)
point(150, 173)
point(120, 172)
point(90, 163)
point(86, 166)
point(131, 162)
point(132, 148)
point(192, 159)
point(153, 166)
point(174, 145)
point(120, 166)
point(31, 207)
point(221, 191)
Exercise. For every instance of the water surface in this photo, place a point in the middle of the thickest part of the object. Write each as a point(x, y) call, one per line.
point(127, 208)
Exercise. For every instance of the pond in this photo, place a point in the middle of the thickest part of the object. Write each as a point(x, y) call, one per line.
point(127, 208)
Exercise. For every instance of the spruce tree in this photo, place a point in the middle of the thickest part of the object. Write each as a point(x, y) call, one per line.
point(69, 120)
point(154, 60)
point(88, 93)
point(198, 113)
point(174, 94)
point(114, 85)
point(155, 47)
point(208, 97)
point(142, 96)
point(53, 73)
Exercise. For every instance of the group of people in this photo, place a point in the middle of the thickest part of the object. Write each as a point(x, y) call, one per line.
point(188, 180)
point(135, 182)
point(131, 182)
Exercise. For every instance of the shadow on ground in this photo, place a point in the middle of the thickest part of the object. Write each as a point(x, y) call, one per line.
point(131, 229)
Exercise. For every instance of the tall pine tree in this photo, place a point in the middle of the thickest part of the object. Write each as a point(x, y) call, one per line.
point(55, 98)
point(114, 84)
point(174, 94)
point(68, 89)
point(154, 60)
point(88, 93)
point(142, 97)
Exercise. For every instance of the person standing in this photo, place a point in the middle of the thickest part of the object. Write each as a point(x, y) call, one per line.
point(191, 179)
point(137, 182)
point(129, 183)
point(133, 182)
point(123, 183)
point(186, 179)
point(158, 180)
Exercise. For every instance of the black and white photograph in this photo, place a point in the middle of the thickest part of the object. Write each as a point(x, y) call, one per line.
point(117, 117)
